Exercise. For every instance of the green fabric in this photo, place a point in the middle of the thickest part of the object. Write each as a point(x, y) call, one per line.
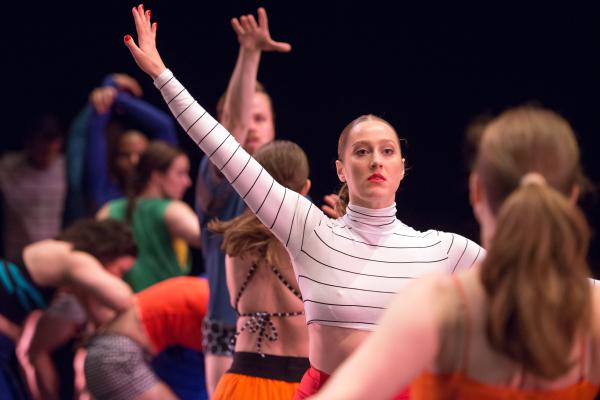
point(156, 259)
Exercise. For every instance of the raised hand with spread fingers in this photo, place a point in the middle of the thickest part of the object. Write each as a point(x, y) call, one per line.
point(256, 36)
point(144, 52)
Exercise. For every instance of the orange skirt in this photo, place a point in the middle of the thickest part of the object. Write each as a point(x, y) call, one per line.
point(244, 387)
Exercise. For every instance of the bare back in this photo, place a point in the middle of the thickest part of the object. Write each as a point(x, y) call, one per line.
point(464, 346)
point(265, 292)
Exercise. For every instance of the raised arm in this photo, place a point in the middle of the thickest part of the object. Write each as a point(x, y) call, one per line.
point(254, 38)
point(288, 214)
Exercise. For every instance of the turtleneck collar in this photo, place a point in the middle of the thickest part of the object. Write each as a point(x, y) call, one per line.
point(371, 219)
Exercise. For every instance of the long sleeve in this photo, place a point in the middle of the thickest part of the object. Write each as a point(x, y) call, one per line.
point(99, 186)
point(151, 120)
point(286, 213)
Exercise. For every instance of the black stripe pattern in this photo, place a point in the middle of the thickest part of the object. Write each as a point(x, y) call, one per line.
point(348, 269)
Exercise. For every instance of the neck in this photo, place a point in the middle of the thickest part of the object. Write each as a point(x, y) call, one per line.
point(151, 191)
point(374, 204)
point(378, 220)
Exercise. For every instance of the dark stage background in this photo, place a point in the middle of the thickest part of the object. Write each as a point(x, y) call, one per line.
point(428, 70)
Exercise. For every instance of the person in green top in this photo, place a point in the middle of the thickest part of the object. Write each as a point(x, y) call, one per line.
point(163, 226)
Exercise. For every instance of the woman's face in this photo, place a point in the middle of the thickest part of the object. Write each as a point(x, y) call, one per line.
point(372, 164)
point(131, 146)
point(176, 179)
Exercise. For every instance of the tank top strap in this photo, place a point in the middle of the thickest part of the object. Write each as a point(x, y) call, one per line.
point(586, 342)
point(467, 325)
point(261, 322)
point(244, 285)
point(284, 281)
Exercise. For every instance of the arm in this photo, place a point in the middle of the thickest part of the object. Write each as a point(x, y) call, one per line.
point(462, 252)
point(102, 213)
point(253, 39)
point(89, 277)
point(182, 223)
point(153, 122)
point(100, 188)
point(9, 329)
point(50, 334)
point(390, 353)
point(287, 214)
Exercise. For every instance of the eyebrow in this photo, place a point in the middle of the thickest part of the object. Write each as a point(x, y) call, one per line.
point(369, 143)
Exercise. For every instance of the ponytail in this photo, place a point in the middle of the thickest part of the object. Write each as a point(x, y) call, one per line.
point(535, 276)
point(344, 199)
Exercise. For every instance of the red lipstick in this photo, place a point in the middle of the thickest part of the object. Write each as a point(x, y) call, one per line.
point(376, 177)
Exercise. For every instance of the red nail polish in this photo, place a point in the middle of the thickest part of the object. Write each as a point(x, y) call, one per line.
point(148, 12)
point(127, 38)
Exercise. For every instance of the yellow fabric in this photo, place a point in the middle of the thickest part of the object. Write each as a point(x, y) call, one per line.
point(243, 387)
point(457, 386)
point(182, 253)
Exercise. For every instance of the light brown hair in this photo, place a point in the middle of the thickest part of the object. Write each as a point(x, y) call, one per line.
point(246, 235)
point(535, 273)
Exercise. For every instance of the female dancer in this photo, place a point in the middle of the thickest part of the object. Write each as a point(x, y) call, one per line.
point(166, 314)
point(159, 219)
point(271, 349)
point(525, 324)
point(347, 269)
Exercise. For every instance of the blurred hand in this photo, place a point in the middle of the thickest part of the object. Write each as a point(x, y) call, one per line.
point(127, 83)
point(253, 36)
point(102, 98)
point(331, 206)
point(145, 53)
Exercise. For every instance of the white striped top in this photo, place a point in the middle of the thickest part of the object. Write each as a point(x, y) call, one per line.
point(348, 269)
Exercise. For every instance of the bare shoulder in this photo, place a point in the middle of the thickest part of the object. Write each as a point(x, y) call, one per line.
point(596, 311)
point(178, 209)
point(102, 212)
point(46, 261)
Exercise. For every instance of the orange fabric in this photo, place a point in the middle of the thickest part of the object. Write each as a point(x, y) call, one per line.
point(172, 311)
point(313, 380)
point(243, 387)
point(457, 386)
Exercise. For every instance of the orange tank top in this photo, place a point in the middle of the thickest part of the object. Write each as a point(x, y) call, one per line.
point(172, 311)
point(459, 385)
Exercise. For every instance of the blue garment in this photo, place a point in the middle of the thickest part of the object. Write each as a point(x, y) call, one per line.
point(215, 198)
point(19, 295)
point(183, 370)
point(90, 183)
point(11, 384)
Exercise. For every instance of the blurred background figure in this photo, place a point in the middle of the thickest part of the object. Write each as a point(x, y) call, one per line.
point(106, 140)
point(32, 187)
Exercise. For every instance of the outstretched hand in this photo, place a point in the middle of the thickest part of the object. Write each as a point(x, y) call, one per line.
point(256, 36)
point(145, 53)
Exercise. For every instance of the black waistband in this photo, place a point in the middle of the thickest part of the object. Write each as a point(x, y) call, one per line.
point(282, 368)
